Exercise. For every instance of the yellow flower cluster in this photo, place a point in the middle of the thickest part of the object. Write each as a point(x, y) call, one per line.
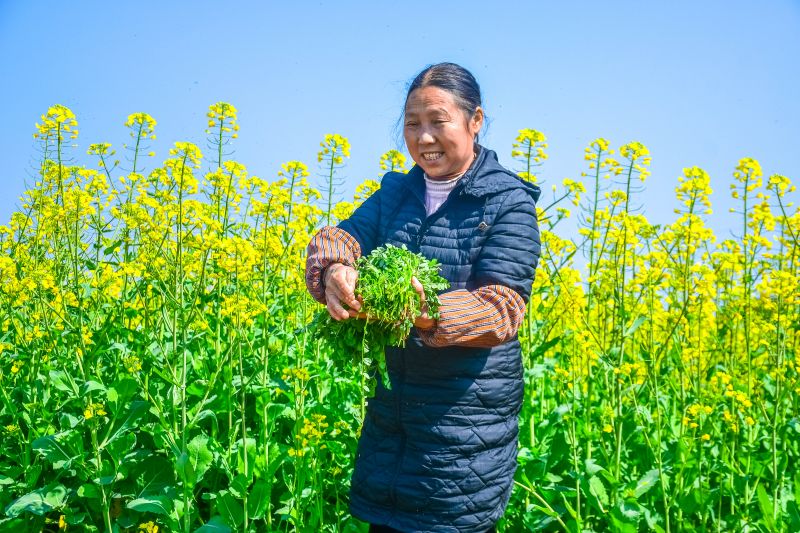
point(638, 156)
point(58, 122)
point(334, 147)
point(528, 148)
point(300, 374)
point(530, 143)
point(223, 116)
point(694, 189)
point(781, 185)
point(636, 372)
point(598, 154)
point(310, 435)
point(94, 409)
point(393, 161)
point(575, 189)
point(141, 125)
point(148, 527)
point(132, 363)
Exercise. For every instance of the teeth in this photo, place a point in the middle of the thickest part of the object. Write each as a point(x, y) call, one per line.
point(432, 156)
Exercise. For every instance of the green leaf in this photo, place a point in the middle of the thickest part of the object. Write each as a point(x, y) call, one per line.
point(230, 509)
point(135, 412)
point(156, 505)
point(766, 505)
point(624, 521)
point(646, 482)
point(238, 486)
point(38, 502)
point(215, 525)
point(593, 468)
point(199, 455)
point(598, 490)
point(633, 327)
point(57, 449)
point(63, 382)
point(111, 248)
point(91, 386)
point(183, 465)
point(258, 500)
point(120, 447)
point(544, 347)
point(89, 491)
point(156, 473)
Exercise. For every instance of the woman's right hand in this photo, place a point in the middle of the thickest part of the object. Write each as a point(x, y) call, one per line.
point(340, 284)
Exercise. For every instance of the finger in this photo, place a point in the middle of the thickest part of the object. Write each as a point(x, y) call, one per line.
point(335, 308)
point(349, 298)
point(351, 275)
point(419, 288)
point(356, 314)
point(342, 285)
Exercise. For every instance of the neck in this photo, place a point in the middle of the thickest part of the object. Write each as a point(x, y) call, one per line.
point(441, 181)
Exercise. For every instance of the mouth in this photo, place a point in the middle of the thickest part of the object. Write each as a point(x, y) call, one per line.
point(432, 156)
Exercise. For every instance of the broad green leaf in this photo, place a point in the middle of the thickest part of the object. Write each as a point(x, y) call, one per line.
point(598, 490)
point(766, 505)
point(57, 449)
point(38, 502)
point(592, 467)
point(238, 486)
point(258, 500)
point(624, 521)
point(91, 386)
point(185, 469)
point(215, 525)
point(156, 505)
point(135, 412)
point(199, 455)
point(633, 327)
point(230, 508)
point(646, 482)
point(63, 382)
point(89, 491)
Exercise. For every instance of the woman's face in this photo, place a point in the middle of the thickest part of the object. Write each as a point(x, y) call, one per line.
point(438, 134)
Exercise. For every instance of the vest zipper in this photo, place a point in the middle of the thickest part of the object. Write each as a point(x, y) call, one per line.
point(399, 414)
point(458, 191)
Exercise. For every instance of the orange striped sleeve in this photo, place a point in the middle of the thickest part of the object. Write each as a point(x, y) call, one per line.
point(329, 245)
point(482, 318)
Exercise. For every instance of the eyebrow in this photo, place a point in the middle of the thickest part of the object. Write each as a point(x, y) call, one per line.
point(435, 111)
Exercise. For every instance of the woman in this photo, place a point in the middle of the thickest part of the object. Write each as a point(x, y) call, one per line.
point(438, 451)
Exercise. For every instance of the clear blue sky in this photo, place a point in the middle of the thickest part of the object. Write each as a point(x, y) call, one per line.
point(700, 83)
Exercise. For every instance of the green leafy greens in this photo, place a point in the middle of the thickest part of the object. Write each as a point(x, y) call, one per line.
point(390, 302)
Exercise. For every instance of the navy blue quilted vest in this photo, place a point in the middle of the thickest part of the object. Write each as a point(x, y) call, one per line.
point(438, 451)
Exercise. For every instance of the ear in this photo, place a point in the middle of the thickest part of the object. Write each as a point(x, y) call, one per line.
point(476, 122)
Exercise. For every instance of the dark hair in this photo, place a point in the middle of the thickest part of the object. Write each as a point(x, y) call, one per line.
point(454, 79)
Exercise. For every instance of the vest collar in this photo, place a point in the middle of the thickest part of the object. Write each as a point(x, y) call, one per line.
point(485, 176)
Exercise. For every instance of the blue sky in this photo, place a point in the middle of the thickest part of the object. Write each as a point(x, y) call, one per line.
point(699, 83)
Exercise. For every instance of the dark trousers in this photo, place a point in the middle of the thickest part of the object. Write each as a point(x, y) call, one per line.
point(373, 528)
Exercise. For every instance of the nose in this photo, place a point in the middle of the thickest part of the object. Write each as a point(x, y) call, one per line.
point(425, 137)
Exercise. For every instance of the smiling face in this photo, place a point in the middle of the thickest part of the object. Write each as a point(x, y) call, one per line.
point(438, 134)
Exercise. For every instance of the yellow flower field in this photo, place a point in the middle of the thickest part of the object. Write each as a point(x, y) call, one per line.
point(156, 373)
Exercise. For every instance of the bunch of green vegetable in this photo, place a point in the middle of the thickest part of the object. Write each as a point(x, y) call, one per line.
point(390, 303)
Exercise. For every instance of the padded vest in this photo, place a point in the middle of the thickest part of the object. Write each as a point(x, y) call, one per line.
point(438, 451)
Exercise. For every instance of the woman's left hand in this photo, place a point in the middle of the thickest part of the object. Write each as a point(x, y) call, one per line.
point(423, 321)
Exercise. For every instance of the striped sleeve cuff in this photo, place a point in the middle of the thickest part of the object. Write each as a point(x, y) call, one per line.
point(482, 318)
point(329, 245)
